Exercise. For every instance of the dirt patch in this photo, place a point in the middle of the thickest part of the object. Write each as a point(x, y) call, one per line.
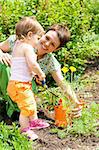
point(89, 93)
point(49, 141)
point(90, 81)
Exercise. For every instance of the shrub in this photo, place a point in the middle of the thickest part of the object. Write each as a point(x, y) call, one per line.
point(10, 138)
point(80, 16)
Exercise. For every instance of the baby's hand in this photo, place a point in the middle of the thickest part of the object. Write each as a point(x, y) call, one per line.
point(38, 81)
point(42, 77)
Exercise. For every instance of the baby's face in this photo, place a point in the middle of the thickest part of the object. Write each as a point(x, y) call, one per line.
point(34, 40)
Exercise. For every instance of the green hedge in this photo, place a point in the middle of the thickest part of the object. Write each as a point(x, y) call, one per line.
point(82, 17)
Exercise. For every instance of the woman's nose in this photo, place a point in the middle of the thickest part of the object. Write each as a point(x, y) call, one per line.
point(47, 43)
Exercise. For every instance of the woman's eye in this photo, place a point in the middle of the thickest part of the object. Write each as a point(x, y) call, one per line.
point(53, 44)
point(47, 38)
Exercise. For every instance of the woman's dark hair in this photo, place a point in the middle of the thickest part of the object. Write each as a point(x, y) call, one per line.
point(62, 32)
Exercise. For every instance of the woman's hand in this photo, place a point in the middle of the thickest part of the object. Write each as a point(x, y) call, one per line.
point(77, 112)
point(5, 58)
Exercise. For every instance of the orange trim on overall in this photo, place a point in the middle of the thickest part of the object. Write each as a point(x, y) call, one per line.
point(21, 93)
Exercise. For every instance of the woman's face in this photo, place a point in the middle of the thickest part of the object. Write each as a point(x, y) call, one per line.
point(49, 42)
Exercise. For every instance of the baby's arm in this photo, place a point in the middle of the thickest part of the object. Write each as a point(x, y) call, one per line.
point(31, 58)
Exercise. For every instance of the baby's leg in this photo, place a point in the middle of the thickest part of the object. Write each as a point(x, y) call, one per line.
point(24, 121)
point(33, 117)
point(25, 128)
point(33, 105)
point(22, 94)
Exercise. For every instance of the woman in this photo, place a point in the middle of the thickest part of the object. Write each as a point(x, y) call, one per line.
point(51, 41)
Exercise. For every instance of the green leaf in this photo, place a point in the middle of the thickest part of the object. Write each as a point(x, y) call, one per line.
point(61, 134)
point(10, 111)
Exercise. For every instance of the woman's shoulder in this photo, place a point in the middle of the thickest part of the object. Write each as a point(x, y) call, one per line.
point(12, 38)
point(49, 63)
point(53, 65)
point(48, 56)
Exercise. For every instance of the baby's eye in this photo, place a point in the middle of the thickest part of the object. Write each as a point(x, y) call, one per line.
point(38, 37)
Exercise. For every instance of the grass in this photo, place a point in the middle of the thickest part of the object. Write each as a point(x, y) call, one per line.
point(11, 139)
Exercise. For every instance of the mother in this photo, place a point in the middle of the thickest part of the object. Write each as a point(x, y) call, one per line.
point(51, 41)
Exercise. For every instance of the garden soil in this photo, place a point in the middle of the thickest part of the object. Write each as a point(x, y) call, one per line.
point(89, 93)
point(48, 141)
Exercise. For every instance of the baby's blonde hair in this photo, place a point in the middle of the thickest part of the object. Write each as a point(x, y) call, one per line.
point(27, 24)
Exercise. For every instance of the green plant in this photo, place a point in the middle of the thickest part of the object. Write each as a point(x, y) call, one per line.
point(60, 133)
point(10, 138)
point(85, 125)
point(82, 18)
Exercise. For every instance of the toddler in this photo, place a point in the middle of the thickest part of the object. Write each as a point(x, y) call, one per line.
point(23, 67)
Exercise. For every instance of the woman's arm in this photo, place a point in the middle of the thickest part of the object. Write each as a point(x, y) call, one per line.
point(68, 91)
point(5, 46)
point(65, 86)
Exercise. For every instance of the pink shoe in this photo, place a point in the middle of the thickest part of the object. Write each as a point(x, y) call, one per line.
point(38, 124)
point(29, 133)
